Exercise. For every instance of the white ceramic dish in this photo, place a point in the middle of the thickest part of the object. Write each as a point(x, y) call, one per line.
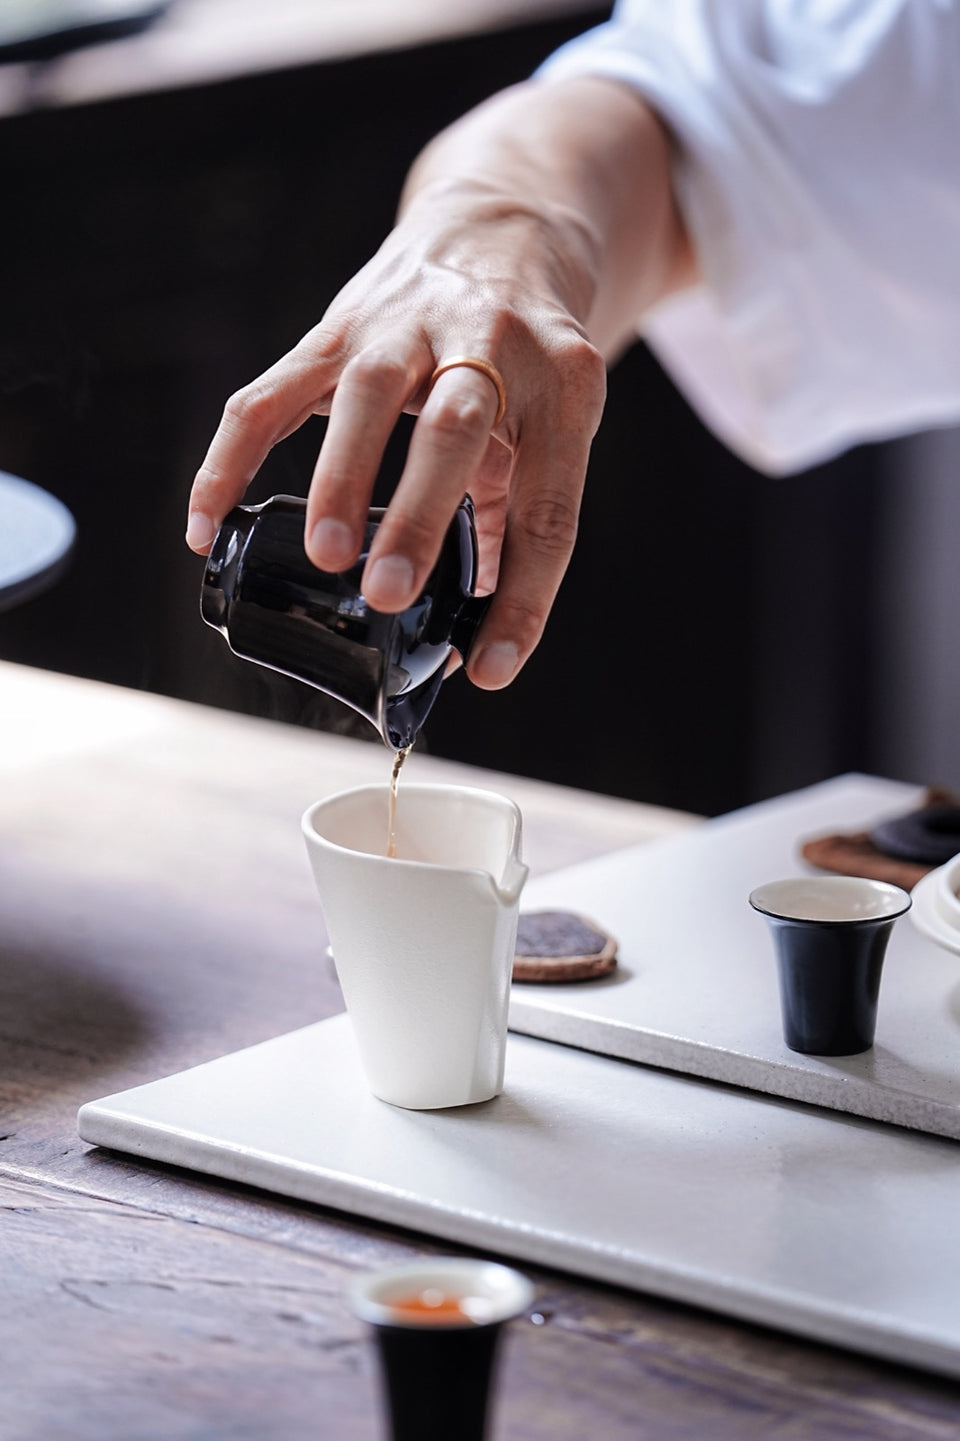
point(831, 1227)
point(948, 884)
point(936, 910)
point(696, 988)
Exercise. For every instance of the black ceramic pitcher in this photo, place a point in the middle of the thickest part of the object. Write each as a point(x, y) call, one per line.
point(276, 608)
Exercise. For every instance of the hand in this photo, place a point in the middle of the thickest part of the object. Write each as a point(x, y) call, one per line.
point(488, 260)
point(371, 358)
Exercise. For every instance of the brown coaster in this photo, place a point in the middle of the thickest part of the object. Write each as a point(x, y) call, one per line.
point(560, 946)
point(857, 855)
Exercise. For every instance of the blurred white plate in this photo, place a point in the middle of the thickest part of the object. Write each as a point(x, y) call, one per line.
point(936, 909)
point(36, 536)
point(43, 29)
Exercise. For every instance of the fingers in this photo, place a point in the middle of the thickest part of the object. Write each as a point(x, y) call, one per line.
point(538, 541)
point(528, 480)
point(370, 396)
point(543, 509)
point(447, 448)
point(490, 491)
point(254, 420)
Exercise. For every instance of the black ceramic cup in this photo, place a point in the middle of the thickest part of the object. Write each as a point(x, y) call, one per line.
point(277, 609)
point(830, 934)
point(436, 1324)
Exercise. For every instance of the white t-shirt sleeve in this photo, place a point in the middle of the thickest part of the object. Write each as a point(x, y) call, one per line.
point(818, 170)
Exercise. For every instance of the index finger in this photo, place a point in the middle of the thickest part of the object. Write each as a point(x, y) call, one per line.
point(254, 420)
point(448, 445)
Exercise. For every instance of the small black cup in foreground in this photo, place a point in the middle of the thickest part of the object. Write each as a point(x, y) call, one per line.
point(831, 935)
point(436, 1323)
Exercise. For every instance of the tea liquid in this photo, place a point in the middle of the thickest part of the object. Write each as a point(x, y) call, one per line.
point(433, 1307)
point(392, 806)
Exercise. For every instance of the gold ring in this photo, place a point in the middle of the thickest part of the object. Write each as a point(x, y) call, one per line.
point(473, 362)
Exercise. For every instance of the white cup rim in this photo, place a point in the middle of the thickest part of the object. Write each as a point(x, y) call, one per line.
point(831, 900)
point(414, 788)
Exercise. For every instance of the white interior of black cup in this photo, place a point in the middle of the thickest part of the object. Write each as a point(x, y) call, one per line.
point(830, 899)
point(488, 1292)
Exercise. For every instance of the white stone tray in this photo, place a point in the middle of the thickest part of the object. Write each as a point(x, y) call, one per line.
point(697, 989)
point(834, 1228)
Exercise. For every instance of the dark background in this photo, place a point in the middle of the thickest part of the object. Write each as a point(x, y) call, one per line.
point(712, 643)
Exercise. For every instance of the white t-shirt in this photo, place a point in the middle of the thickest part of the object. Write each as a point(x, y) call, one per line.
point(818, 170)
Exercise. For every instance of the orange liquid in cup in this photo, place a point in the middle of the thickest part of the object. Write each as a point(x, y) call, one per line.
point(433, 1307)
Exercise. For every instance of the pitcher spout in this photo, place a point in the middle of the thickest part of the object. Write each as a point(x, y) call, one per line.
point(511, 882)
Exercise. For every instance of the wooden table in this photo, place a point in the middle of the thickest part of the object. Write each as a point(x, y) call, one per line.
point(156, 910)
point(200, 42)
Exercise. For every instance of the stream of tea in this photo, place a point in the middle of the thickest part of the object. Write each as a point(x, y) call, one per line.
point(392, 807)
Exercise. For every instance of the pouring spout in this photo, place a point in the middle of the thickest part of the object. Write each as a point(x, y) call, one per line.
point(512, 881)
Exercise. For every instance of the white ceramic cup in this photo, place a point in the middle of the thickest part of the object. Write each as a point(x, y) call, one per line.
point(424, 942)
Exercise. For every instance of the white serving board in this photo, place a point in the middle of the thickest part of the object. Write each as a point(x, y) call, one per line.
point(696, 990)
point(833, 1228)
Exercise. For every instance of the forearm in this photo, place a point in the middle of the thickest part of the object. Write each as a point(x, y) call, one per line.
point(576, 177)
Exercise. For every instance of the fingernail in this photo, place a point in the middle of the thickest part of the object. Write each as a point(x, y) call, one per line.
point(332, 545)
point(200, 531)
point(495, 665)
point(388, 585)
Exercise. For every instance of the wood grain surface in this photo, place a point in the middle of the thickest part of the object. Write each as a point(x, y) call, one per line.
point(156, 910)
point(203, 41)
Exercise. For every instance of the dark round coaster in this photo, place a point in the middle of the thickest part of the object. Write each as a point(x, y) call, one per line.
point(560, 946)
point(930, 836)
